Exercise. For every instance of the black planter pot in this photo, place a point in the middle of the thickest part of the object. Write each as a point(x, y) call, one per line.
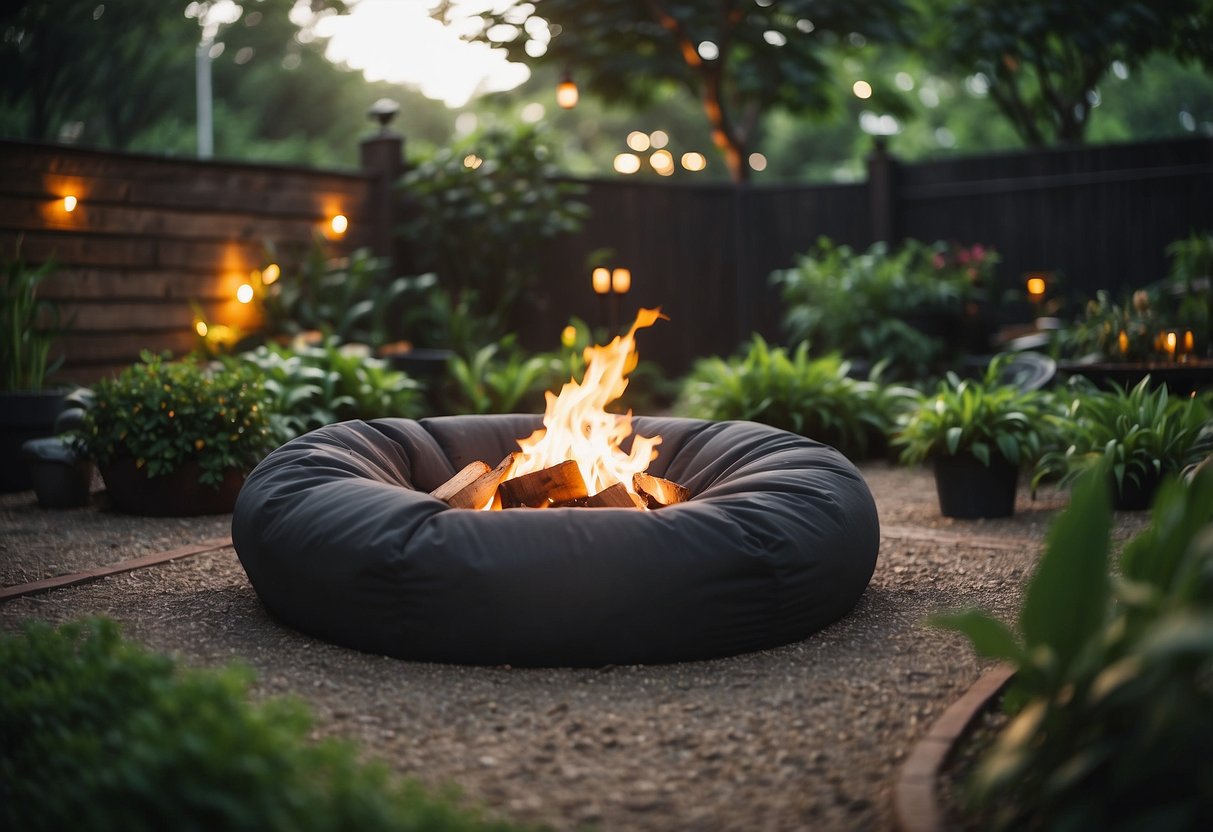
point(24, 415)
point(60, 477)
point(969, 490)
point(176, 494)
point(1135, 495)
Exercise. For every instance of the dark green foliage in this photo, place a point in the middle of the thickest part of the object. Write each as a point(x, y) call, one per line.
point(985, 418)
point(1140, 435)
point(1045, 60)
point(98, 734)
point(28, 325)
point(813, 397)
point(864, 305)
point(1113, 700)
point(482, 225)
point(163, 413)
point(317, 385)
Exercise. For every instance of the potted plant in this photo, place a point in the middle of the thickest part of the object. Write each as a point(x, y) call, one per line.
point(29, 325)
point(175, 438)
point(977, 433)
point(1142, 435)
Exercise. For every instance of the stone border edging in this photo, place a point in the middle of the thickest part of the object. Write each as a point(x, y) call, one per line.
point(915, 807)
point(214, 544)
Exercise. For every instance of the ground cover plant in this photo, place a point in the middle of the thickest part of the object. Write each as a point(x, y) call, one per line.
point(97, 733)
point(1111, 706)
point(787, 389)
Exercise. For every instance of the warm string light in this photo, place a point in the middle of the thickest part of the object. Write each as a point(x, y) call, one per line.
point(339, 224)
point(566, 93)
point(69, 203)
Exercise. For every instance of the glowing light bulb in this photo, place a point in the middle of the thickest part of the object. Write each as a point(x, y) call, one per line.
point(339, 223)
point(862, 89)
point(566, 93)
point(601, 279)
point(69, 203)
point(621, 281)
point(244, 293)
point(271, 274)
point(627, 163)
point(201, 328)
point(1036, 287)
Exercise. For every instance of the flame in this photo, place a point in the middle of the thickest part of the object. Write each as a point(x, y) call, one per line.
point(577, 426)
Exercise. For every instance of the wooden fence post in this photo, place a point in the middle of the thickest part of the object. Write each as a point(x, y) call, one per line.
point(882, 195)
point(382, 157)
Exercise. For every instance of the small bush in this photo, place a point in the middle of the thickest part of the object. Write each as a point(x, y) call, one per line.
point(812, 397)
point(99, 734)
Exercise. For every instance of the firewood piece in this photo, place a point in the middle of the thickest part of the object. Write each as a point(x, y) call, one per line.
point(613, 496)
point(659, 493)
point(475, 485)
point(557, 484)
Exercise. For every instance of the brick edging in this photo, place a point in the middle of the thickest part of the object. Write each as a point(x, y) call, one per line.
point(915, 807)
point(214, 544)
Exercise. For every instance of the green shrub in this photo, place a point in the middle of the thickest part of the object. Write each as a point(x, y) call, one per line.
point(980, 417)
point(319, 385)
point(812, 397)
point(860, 305)
point(164, 413)
point(502, 378)
point(1112, 703)
point(1141, 435)
point(99, 734)
point(480, 213)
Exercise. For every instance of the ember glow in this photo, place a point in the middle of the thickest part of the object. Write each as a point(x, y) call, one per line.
point(577, 425)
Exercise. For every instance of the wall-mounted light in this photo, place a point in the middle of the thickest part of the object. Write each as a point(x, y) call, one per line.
point(601, 280)
point(1036, 287)
point(566, 92)
point(339, 224)
point(69, 203)
point(244, 293)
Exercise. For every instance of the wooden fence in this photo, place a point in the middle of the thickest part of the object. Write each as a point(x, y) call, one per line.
point(149, 234)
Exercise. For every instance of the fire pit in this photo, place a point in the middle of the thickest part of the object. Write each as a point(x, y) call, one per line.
point(602, 550)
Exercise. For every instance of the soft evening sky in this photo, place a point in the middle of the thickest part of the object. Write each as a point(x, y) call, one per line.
point(396, 40)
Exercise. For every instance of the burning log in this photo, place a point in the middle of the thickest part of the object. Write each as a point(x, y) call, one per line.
point(614, 496)
point(657, 492)
point(558, 484)
point(475, 485)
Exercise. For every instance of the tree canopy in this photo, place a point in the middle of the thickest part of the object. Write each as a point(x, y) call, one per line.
point(740, 59)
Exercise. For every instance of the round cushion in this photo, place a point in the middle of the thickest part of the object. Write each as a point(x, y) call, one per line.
point(340, 538)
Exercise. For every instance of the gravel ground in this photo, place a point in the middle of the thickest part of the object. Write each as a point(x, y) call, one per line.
point(805, 736)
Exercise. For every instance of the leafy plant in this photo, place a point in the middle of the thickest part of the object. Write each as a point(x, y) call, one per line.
point(861, 304)
point(147, 745)
point(314, 386)
point(1128, 330)
point(501, 378)
point(30, 326)
point(982, 417)
point(1111, 704)
point(1141, 435)
point(164, 414)
point(480, 212)
point(812, 397)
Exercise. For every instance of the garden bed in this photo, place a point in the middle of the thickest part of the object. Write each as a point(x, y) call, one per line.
point(808, 735)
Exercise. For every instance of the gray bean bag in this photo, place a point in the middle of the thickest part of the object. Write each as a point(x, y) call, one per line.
point(340, 539)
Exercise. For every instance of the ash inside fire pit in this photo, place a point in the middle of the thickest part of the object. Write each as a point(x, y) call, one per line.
point(341, 538)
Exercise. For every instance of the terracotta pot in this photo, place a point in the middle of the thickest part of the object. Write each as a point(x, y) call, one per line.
point(968, 489)
point(176, 494)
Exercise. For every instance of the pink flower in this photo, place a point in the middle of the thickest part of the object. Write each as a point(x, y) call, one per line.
point(962, 256)
point(938, 261)
point(979, 252)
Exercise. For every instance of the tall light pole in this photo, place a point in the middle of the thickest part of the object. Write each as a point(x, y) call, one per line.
point(202, 77)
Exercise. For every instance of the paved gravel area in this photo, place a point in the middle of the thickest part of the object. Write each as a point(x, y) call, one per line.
point(805, 736)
